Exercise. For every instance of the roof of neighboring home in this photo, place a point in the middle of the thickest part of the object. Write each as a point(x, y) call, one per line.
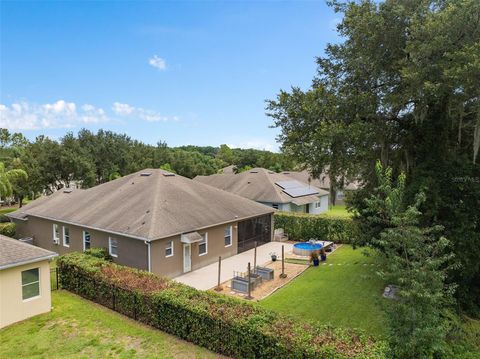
point(149, 204)
point(262, 185)
point(322, 182)
point(228, 169)
point(14, 253)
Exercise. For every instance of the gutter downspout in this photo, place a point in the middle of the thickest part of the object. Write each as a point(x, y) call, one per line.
point(148, 256)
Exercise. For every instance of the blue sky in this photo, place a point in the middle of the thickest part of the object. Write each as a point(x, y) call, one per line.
point(182, 72)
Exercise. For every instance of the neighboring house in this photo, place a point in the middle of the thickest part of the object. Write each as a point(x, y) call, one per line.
point(323, 182)
point(24, 280)
point(229, 169)
point(152, 220)
point(272, 189)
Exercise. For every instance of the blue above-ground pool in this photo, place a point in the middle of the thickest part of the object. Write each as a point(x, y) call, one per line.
point(306, 248)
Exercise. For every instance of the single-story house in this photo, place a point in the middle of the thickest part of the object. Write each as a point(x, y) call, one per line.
point(323, 182)
point(273, 189)
point(152, 220)
point(24, 280)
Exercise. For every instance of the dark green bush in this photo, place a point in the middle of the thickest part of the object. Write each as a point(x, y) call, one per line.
point(222, 324)
point(4, 218)
point(7, 229)
point(302, 227)
point(99, 253)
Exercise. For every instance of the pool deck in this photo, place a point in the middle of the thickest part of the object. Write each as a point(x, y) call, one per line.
point(206, 277)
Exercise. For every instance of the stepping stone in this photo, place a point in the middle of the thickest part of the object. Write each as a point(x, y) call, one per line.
point(330, 264)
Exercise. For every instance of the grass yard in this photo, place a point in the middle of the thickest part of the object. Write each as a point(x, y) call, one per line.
point(79, 328)
point(7, 210)
point(346, 292)
point(338, 211)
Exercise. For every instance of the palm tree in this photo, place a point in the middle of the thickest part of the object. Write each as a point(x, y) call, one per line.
point(8, 180)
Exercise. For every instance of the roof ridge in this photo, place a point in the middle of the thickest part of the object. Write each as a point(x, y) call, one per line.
point(154, 210)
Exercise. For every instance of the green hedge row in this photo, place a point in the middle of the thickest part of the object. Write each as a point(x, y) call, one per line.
point(222, 324)
point(302, 227)
point(7, 229)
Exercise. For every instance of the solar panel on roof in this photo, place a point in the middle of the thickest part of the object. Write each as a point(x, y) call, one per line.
point(300, 191)
point(289, 184)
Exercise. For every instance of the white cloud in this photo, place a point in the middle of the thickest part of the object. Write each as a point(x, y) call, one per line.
point(157, 62)
point(258, 144)
point(124, 109)
point(60, 114)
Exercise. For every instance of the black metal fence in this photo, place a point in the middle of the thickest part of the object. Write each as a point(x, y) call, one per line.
point(54, 283)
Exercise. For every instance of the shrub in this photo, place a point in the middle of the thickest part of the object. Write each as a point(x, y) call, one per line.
point(223, 324)
point(302, 227)
point(7, 229)
point(99, 253)
point(4, 218)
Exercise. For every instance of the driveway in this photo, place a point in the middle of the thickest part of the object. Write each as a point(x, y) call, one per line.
point(206, 277)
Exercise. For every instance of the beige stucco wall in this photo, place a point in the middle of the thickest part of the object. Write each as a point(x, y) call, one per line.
point(173, 266)
point(131, 252)
point(12, 307)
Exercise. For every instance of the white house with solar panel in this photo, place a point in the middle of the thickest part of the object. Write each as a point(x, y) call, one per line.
point(272, 189)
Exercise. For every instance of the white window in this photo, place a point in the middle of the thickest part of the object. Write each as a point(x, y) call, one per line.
point(66, 236)
point(56, 233)
point(113, 247)
point(317, 204)
point(86, 240)
point(30, 283)
point(169, 249)
point(227, 234)
point(203, 245)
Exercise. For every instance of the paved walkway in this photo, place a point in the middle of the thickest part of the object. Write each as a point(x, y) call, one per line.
point(206, 277)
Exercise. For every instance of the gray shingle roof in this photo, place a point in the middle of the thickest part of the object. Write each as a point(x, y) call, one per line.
point(257, 184)
point(322, 182)
point(149, 207)
point(14, 253)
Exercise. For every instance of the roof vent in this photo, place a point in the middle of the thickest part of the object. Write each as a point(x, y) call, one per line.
point(253, 171)
point(67, 190)
point(169, 174)
point(270, 172)
point(145, 174)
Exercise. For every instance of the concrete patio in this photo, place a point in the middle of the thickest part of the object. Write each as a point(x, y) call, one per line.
point(206, 277)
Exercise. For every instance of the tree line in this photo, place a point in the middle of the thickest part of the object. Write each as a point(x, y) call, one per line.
point(88, 159)
point(402, 87)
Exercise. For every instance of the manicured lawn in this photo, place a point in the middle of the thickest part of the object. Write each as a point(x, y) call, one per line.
point(7, 210)
point(346, 292)
point(339, 210)
point(79, 328)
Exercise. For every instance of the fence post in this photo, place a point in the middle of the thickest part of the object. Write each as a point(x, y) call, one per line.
point(134, 306)
point(113, 297)
point(283, 275)
point(56, 276)
point(249, 283)
point(218, 288)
